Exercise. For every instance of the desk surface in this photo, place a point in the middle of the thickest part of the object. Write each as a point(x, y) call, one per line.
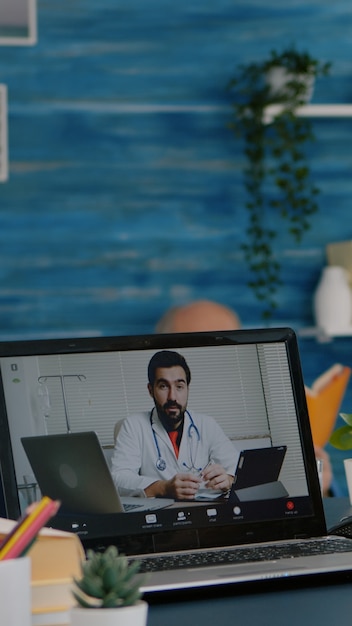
point(319, 602)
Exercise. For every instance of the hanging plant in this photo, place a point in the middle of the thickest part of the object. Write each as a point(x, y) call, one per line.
point(277, 175)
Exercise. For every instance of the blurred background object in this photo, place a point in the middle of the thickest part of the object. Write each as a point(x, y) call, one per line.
point(201, 315)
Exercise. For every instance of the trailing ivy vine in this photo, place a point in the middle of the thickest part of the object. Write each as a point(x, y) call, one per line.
point(277, 175)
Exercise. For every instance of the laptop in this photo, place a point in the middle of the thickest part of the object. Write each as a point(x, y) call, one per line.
point(72, 468)
point(257, 475)
point(249, 382)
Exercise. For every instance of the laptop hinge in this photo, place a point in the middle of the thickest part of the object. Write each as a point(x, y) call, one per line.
point(302, 536)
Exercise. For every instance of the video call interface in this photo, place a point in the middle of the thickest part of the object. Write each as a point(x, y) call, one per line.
point(246, 389)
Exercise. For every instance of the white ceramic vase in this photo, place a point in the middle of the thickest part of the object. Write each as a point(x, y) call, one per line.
point(135, 615)
point(333, 301)
point(348, 470)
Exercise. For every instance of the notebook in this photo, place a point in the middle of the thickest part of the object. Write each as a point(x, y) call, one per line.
point(72, 468)
point(247, 381)
point(257, 475)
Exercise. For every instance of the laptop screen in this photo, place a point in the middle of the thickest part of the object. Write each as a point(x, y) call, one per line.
point(246, 382)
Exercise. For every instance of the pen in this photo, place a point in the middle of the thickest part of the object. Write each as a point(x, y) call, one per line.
point(26, 529)
point(30, 534)
point(22, 525)
point(211, 462)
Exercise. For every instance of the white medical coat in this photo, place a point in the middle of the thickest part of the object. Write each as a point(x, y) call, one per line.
point(135, 455)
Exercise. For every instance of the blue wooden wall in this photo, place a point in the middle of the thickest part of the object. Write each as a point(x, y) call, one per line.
point(125, 193)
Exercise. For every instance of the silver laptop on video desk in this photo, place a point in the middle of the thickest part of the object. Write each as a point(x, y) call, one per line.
point(72, 468)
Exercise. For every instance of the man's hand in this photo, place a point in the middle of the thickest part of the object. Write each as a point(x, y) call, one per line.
point(180, 487)
point(183, 486)
point(215, 477)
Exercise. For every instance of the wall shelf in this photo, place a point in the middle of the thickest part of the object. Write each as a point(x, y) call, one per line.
point(312, 110)
point(321, 335)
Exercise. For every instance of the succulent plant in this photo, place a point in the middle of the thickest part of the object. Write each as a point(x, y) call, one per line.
point(108, 580)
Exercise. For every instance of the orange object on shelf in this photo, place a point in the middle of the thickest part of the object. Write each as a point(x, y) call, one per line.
point(324, 399)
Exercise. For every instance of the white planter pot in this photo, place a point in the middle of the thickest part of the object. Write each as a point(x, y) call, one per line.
point(333, 301)
point(135, 615)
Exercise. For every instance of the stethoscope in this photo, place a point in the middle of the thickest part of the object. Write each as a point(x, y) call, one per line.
point(160, 463)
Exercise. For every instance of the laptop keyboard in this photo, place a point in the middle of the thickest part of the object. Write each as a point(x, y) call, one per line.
point(247, 554)
point(131, 507)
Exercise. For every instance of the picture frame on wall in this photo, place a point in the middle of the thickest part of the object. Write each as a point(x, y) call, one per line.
point(4, 166)
point(18, 22)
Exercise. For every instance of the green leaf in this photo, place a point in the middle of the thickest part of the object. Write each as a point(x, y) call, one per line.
point(347, 417)
point(342, 438)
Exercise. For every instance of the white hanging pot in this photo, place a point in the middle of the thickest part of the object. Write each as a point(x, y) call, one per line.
point(135, 615)
point(278, 79)
point(333, 301)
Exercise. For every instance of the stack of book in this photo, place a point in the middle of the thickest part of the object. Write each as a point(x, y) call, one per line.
point(324, 399)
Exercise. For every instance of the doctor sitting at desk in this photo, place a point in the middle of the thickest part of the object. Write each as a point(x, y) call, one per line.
point(167, 451)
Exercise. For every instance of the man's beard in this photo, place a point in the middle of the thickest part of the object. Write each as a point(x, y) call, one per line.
point(168, 417)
